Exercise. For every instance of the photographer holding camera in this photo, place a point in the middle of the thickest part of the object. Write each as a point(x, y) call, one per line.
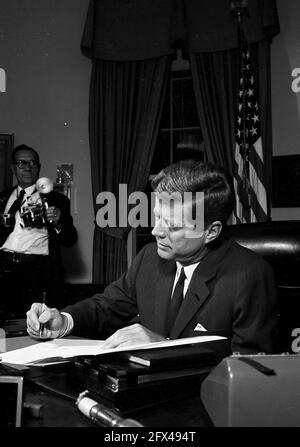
point(30, 238)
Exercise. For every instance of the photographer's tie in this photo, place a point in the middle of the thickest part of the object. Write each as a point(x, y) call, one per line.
point(16, 205)
point(176, 300)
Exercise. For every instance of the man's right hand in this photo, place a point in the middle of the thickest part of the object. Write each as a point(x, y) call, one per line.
point(54, 322)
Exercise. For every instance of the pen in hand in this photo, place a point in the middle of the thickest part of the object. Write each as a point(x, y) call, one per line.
point(42, 326)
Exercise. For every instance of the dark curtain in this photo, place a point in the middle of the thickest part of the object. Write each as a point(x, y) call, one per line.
point(215, 79)
point(130, 44)
point(211, 24)
point(123, 30)
point(126, 101)
point(6, 147)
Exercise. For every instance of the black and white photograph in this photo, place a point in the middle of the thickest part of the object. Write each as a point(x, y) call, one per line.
point(149, 217)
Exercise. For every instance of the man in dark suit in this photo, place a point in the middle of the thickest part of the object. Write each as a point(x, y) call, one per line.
point(31, 233)
point(223, 287)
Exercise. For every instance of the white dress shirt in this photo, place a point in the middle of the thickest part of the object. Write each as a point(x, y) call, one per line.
point(188, 270)
point(21, 239)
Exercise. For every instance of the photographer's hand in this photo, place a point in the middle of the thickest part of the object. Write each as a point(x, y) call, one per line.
point(53, 214)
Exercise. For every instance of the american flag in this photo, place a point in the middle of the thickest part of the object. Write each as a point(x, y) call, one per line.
point(251, 196)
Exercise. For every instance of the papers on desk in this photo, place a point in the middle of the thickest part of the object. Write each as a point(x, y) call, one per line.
point(53, 351)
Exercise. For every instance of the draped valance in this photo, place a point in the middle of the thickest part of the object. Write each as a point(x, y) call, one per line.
point(124, 30)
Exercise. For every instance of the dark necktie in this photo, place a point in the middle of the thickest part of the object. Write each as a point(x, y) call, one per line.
point(176, 300)
point(16, 205)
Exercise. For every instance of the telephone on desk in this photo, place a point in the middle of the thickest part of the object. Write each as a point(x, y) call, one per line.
point(256, 390)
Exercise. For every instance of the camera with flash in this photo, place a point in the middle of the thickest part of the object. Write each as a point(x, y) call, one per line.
point(33, 216)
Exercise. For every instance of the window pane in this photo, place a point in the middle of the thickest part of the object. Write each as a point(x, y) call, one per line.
point(184, 104)
point(188, 143)
point(180, 136)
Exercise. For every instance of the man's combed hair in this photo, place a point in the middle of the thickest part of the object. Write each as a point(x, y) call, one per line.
point(194, 176)
point(23, 147)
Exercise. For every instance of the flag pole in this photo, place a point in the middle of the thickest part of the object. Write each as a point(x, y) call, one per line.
point(239, 9)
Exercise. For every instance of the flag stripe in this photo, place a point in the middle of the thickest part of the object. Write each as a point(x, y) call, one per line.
point(255, 159)
point(249, 172)
point(257, 210)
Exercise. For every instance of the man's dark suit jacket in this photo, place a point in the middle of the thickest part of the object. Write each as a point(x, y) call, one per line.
point(67, 236)
point(232, 292)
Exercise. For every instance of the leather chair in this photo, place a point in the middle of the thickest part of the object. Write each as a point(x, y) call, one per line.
point(279, 243)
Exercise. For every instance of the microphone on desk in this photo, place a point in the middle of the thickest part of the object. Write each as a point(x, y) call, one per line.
point(102, 415)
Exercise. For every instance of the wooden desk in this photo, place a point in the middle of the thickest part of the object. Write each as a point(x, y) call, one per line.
point(62, 412)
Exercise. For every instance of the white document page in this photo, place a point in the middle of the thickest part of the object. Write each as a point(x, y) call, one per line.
point(63, 348)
